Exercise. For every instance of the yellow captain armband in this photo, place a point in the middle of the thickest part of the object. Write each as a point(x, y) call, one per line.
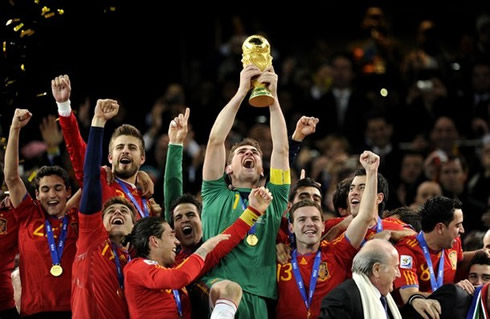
point(250, 216)
point(280, 176)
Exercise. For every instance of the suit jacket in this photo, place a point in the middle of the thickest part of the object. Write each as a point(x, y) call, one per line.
point(343, 302)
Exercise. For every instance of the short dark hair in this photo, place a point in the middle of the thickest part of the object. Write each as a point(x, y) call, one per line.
point(341, 194)
point(406, 215)
point(127, 129)
point(436, 210)
point(303, 203)
point(245, 141)
point(119, 200)
point(142, 231)
point(480, 258)
point(305, 182)
point(49, 171)
point(184, 199)
point(382, 187)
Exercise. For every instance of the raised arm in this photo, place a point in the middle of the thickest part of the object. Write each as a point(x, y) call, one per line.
point(359, 225)
point(215, 158)
point(279, 133)
point(75, 145)
point(172, 182)
point(14, 183)
point(92, 190)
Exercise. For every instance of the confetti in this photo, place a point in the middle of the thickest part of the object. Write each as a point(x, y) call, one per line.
point(18, 27)
point(41, 94)
point(32, 176)
point(61, 12)
point(27, 32)
point(23, 67)
point(9, 21)
point(49, 15)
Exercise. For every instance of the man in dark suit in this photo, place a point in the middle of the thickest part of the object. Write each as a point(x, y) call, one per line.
point(367, 294)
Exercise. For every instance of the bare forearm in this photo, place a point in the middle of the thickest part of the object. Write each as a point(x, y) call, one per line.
point(279, 134)
point(201, 252)
point(12, 156)
point(224, 121)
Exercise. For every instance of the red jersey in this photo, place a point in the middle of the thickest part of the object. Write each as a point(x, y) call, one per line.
point(42, 292)
point(96, 292)
point(413, 267)
point(8, 249)
point(388, 224)
point(336, 259)
point(149, 287)
point(76, 147)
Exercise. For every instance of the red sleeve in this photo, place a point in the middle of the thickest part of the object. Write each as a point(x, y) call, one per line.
point(329, 224)
point(237, 230)
point(343, 250)
point(90, 229)
point(408, 267)
point(283, 234)
point(75, 145)
point(148, 274)
point(24, 210)
point(393, 224)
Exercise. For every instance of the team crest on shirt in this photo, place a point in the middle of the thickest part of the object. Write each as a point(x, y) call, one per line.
point(3, 226)
point(406, 262)
point(323, 273)
point(453, 258)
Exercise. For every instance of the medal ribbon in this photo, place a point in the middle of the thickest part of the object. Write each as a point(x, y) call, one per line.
point(243, 203)
point(143, 212)
point(313, 279)
point(440, 273)
point(56, 252)
point(178, 301)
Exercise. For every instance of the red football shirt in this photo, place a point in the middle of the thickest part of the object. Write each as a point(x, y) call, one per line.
point(149, 287)
point(41, 291)
point(336, 259)
point(96, 292)
point(8, 249)
point(413, 267)
point(76, 147)
point(388, 224)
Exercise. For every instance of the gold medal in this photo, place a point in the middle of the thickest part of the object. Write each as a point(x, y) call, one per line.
point(252, 240)
point(56, 270)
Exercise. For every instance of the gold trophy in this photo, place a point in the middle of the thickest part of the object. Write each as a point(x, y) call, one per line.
point(256, 50)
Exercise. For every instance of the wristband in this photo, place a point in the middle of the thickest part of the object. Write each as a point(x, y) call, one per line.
point(413, 297)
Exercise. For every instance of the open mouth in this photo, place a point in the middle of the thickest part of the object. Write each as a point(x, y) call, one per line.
point(117, 221)
point(125, 160)
point(248, 163)
point(187, 230)
point(53, 202)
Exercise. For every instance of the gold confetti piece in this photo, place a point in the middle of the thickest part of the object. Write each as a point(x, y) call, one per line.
point(32, 176)
point(4, 46)
point(49, 15)
point(112, 9)
point(9, 21)
point(45, 10)
point(18, 27)
point(41, 94)
point(21, 161)
point(36, 1)
point(61, 12)
point(27, 32)
point(10, 82)
point(22, 67)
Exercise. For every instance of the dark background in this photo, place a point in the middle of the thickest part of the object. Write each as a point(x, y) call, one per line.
point(134, 51)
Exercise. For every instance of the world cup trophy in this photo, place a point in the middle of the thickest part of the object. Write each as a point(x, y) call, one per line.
point(256, 50)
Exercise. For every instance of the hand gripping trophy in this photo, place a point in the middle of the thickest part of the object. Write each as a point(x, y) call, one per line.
point(256, 50)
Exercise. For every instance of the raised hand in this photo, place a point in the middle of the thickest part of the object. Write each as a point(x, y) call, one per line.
point(145, 184)
point(106, 109)
point(260, 198)
point(246, 76)
point(177, 130)
point(21, 118)
point(155, 208)
point(269, 77)
point(209, 244)
point(305, 126)
point(50, 131)
point(369, 161)
point(61, 88)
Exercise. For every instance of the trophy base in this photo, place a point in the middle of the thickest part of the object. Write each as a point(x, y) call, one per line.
point(261, 97)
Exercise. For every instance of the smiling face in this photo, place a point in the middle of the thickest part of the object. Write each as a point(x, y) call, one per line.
point(187, 224)
point(126, 156)
point(245, 165)
point(166, 246)
point(452, 231)
point(118, 220)
point(53, 194)
point(355, 193)
point(307, 226)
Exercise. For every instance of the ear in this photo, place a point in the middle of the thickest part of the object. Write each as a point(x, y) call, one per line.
point(228, 169)
point(68, 191)
point(291, 228)
point(262, 173)
point(376, 270)
point(439, 228)
point(152, 241)
point(379, 198)
point(37, 194)
point(143, 158)
point(109, 157)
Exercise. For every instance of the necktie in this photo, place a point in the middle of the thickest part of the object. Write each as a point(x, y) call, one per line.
point(385, 305)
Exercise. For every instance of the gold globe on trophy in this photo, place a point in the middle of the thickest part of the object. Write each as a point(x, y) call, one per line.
point(256, 50)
